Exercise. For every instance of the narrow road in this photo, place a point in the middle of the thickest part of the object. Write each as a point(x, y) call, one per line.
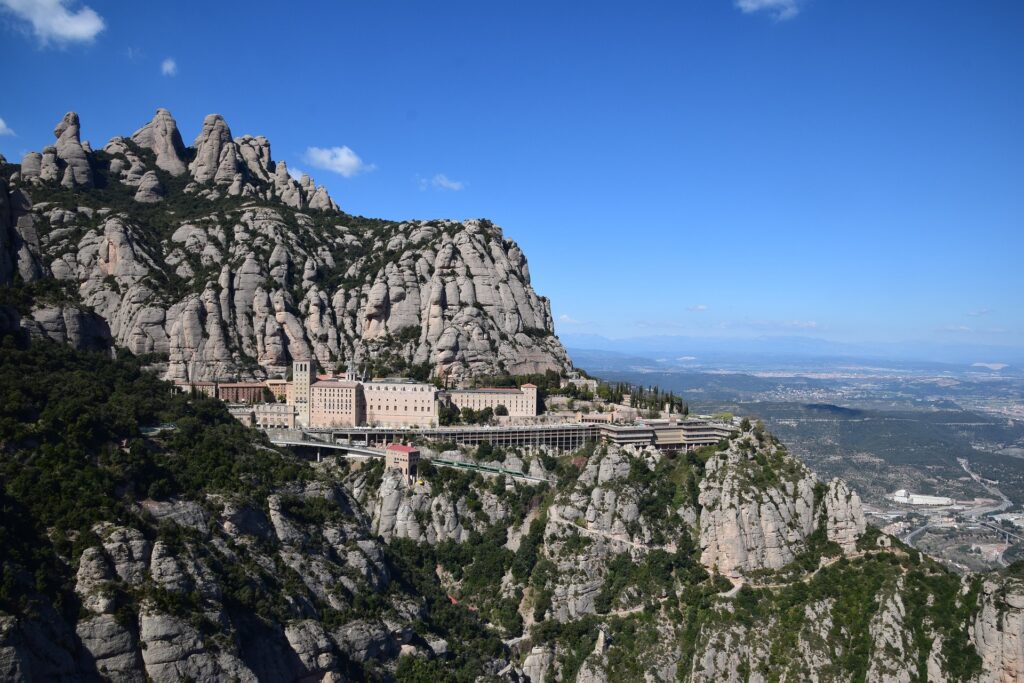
point(555, 517)
point(982, 511)
point(489, 469)
point(909, 538)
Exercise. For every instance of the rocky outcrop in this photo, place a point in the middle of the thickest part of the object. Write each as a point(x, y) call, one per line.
point(279, 274)
point(150, 190)
point(758, 506)
point(77, 172)
point(415, 510)
point(210, 146)
point(844, 515)
point(182, 628)
point(83, 330)
point(892, 659)
point(173, 650)
point(538, 663)
point(745, 525)
point(998, 631)
point(161, 137)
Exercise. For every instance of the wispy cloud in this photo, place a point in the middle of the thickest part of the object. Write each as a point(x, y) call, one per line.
point(568, 319)
point(296, 173)
point(445, 183)
point(780, 9)
point(341, 160)
point(56, 21)
point(978, 313)
point(697, 308)
point(440, 182)
point(780, 325)
point(5, 129)
point(169, 67)
point(967, 329)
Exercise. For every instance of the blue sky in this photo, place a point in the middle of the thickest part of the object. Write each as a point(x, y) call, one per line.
point(842, 169)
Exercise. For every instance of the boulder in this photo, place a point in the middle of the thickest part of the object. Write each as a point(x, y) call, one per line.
point(150, 190)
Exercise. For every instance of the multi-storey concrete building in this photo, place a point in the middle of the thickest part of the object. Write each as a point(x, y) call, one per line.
point(398, 402)
point(336, 403)
point(274, 416)
point(241, 392)
point(327, 401)
point(279, 388)
point(521, 402)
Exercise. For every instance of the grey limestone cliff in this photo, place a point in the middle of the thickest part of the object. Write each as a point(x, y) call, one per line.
point(239, 269)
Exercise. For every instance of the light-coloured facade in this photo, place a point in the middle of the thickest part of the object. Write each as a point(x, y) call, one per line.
point(907, 498)
point(336, 403)
point(279, 388)
point(274, 416)
point(398, 402)
point(303, 376)
point(323, 402)
point(243, 413)
point(521, 402)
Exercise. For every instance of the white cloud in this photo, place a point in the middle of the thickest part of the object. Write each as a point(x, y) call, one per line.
point(296, 173)
point(4, 129)
point(780, 9)
point(440, 182)
point(169, 67)
point(341, 160)
point(978, 313)
point(697, 308)
point(55, 20)
point(443, 182)
point(568, 319)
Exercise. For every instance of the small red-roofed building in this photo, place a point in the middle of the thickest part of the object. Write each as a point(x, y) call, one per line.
point(403, 458)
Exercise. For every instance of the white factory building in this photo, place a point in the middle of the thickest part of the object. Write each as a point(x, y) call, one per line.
point(906, 498)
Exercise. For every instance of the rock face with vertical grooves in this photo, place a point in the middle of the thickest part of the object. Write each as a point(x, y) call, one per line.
point(245, 269)
point(161, 137)
point(760, 505)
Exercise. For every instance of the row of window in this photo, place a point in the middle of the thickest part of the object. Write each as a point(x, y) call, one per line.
point(386, 387)
point(415, 409)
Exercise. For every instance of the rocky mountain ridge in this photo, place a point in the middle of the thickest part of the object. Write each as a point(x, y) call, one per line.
point(201, 552)
point(626, 534)
point(214, 257)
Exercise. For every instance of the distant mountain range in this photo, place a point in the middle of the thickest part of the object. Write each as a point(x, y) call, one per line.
point(711, 350)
